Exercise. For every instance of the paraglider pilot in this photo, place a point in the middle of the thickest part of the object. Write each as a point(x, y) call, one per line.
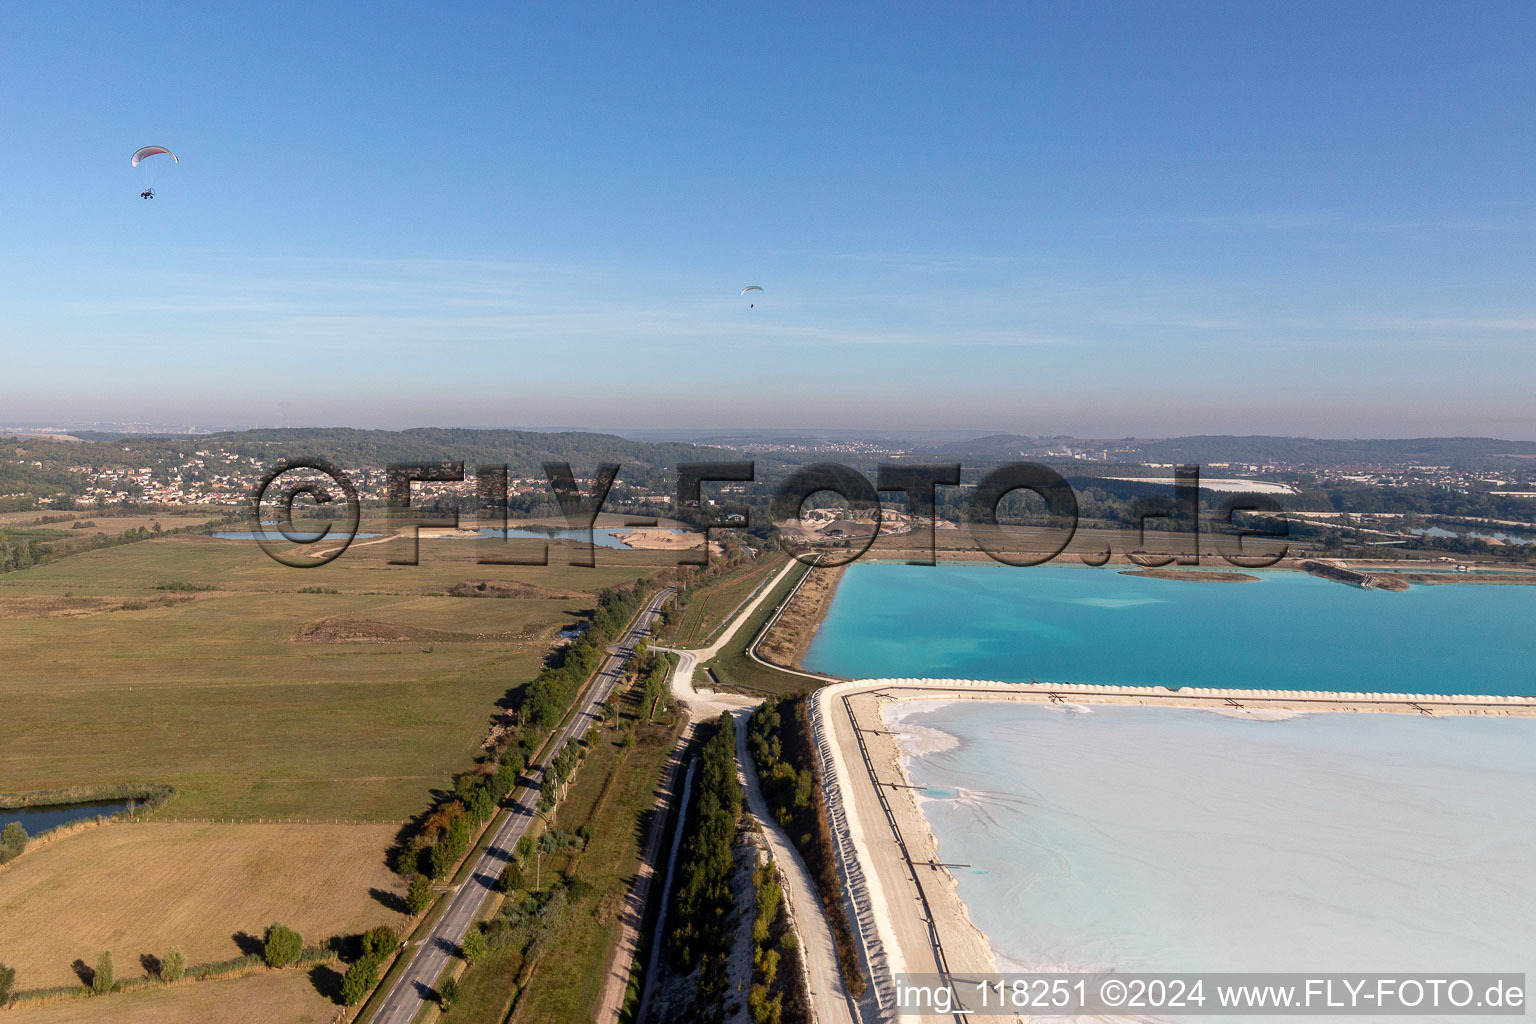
point(148, 193)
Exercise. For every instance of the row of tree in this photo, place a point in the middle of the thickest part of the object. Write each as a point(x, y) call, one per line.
point(655, 673)
point(544, 701)
point(703, 904)
point(25, 552)
point(781, 746)
point(558, 772)
point(777, 995)
point(281, 947)
point(447, 831)
point(377, 946)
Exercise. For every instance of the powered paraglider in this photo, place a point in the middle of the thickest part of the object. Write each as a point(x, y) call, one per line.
point(140, 155)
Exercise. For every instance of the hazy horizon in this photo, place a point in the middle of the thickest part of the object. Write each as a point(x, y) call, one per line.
point(708, 433)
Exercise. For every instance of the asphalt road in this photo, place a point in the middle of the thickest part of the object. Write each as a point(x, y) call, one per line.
point(430, 955)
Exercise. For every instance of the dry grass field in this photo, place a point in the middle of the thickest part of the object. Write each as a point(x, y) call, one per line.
point(203, 664)
point(114, 525)
point(142, 888)
point(267, 997)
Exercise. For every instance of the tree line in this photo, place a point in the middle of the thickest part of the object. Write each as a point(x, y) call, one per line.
point(778, 994)
point(703, 904)
point(25, 552)
point(781, 746)
point(280, 947)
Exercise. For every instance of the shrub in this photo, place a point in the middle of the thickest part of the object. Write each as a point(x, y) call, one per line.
point(473, 946)
point(380, 942)
point(481, 804)
point(408, 855)
point(451, 847)
point(174, 965)
point(281, 946)
point(7, 982)
point(442, 860)
point(13, 840)
point(447, 992)
point(768, 895)
point(419, 896)
point(104, 976)
point(763, 1009)
point(768, 964)
point(359, 980)
point(511, 767)
point(497, 788)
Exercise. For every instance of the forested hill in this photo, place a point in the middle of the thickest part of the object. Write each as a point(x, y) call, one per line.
point(523, 450)
point(38, 471)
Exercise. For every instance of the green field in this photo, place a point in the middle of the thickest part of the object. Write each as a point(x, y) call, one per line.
point(485, 991)
point(711, 602)
point(738, 672)
point(111, 677)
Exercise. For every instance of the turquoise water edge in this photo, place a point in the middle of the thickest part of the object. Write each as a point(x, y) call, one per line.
point(1100, 837)
point(1071, 624)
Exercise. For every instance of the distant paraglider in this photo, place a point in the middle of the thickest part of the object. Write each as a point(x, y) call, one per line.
point(140, 155)
point(751, 288)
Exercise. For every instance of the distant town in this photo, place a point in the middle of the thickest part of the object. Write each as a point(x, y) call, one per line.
point(53, 469)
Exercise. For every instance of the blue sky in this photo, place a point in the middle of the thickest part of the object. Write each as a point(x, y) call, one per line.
point(1049, 218)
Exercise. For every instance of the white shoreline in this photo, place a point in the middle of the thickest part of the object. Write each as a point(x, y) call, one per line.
point(870, 862)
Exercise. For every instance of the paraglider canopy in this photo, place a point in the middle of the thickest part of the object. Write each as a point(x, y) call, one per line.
point(148, 151)
point(751, 288)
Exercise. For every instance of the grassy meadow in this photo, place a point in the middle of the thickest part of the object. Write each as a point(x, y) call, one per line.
point(260, 691)
point(712, 601)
